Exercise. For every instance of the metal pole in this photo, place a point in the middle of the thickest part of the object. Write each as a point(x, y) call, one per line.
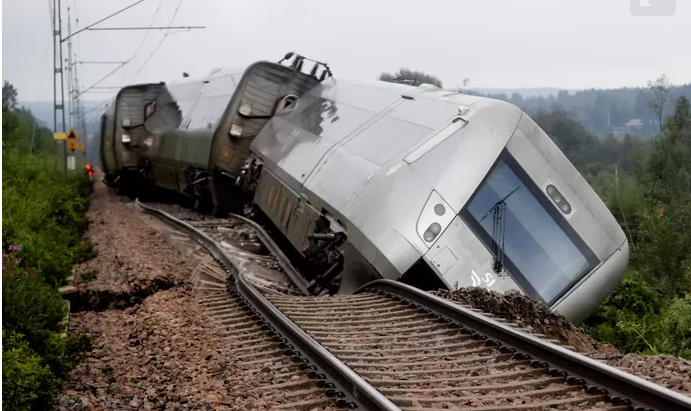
point(56, 41)
point(62, 89)
point(70, 73)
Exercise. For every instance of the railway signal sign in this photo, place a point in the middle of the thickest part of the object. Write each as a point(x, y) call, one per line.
point(73, 141)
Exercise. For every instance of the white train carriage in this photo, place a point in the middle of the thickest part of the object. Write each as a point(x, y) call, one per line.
point(436, 189)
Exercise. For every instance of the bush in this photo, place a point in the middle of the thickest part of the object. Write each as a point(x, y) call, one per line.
point(27, 384)
point(30, 306)
point(677, 326)
point(639, 318)
point(625, 317)
point(44, 212)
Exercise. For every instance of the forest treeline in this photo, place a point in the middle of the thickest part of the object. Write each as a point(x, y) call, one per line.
point(646, 183)
point(43, 218)
point(647, 186)
point(607, 111)
point(602, 111)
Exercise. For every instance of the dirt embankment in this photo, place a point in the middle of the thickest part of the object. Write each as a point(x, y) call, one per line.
point(154, 346)
point(133, 261)
point(522, 310)
point(668, 371)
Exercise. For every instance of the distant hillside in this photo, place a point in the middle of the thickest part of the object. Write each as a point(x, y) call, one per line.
point(619, 111)
point(524, 92)
point(604, 111)
point(43, 111)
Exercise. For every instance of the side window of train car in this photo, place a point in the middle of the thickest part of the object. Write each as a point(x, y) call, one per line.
point(103, 129)
point(286, 104)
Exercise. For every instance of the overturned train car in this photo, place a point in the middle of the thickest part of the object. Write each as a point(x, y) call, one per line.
point(377, 180)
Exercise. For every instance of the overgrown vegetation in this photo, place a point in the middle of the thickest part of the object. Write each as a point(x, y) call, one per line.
point(42, 221)
point(647, 186)
point(636, 110)
point(405, 73)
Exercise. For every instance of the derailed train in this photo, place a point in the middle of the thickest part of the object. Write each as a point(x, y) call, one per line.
point(372, 180)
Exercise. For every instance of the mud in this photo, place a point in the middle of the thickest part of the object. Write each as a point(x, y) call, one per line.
point(668, 371)
point(86, 299)
point(518, 308)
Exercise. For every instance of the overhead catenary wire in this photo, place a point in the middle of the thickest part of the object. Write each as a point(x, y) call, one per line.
point(96, 107)
point(177, 8)
point(102, 79)
point(146, 34)
point(102, 20)
point(175, 13)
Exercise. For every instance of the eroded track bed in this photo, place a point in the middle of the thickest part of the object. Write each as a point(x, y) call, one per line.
point(423, 363)
point(414, 357)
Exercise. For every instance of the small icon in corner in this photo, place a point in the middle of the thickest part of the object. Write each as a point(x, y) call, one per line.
point(653, 7)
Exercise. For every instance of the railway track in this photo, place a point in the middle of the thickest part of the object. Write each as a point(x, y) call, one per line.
point(391, 346)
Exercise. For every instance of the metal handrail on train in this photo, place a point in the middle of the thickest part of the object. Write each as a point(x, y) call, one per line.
point(645, 395)
point(344, 376)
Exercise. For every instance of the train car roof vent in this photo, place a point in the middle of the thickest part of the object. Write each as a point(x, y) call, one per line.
point(462, 110)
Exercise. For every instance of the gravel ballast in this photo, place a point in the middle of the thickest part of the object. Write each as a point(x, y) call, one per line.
point(155, 348)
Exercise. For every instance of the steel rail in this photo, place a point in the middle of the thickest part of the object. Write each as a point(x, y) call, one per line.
point(620, 387)
point(347, 384)
point(283, 261)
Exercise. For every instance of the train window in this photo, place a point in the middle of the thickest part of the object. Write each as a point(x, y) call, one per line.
point(535, 244)
point(149, 110)
point(287, 103)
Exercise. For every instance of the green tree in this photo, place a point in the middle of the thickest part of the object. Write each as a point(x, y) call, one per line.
point(600, 113)
point(406, 73)
point(9, 96)
point(660, 89)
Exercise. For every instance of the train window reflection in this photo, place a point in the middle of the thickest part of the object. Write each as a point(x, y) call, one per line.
point(540, 250)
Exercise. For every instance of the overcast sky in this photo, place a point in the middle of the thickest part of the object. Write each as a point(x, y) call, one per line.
point(495, 43)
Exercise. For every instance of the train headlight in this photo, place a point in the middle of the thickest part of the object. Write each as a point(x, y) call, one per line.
point(126, 139)
point(245, 109)
point(235, 130)
point(558, 199)
point(432, 232)
point(435, 216)
point(148, 141)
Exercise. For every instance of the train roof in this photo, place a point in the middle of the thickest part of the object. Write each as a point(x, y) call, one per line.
point(212, 74)
point(428, 91)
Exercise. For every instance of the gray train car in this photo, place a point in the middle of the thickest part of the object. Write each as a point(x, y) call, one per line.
point(122, 133)
point(437, 189)
point(192, 135)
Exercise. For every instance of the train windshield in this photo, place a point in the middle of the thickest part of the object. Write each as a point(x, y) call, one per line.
point(526, 234)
